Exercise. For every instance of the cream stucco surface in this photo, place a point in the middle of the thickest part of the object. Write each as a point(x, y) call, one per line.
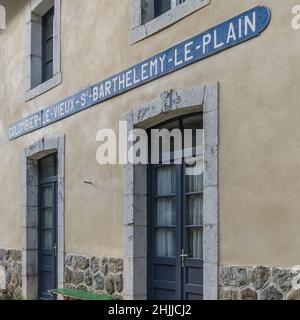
point(259, 167)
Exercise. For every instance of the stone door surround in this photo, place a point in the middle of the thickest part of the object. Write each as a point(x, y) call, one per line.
point(169, 105)
point(30, 157)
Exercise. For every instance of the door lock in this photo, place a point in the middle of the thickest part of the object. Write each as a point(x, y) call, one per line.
point(183, 257)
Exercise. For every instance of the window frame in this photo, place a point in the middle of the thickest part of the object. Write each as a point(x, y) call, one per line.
point(173, 4)
point(141, 30)
point(35, 86)
point(45, 39)
point(194, 151)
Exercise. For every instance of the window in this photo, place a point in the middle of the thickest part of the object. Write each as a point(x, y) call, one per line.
point(43, 60)
point(154, 8)
point(152, 16)
point(47, 59)
point(162, 6)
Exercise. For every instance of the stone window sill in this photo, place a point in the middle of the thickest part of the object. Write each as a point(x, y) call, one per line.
point(165, 20)
point(44, 87)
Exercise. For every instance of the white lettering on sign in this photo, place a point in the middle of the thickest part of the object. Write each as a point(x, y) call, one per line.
point(153, 68)
point(28, 124)
point(223, 36)
point(134, 76)
point(144, 71)
point(60, 110)
point(177, 61)
point(216, 43)
point(188, 51)
point(206, 42)
point(231, 36)
point(250, 23)
point(83, 99)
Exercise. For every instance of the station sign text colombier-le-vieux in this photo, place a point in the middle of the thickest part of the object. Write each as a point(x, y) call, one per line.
point(225, 35)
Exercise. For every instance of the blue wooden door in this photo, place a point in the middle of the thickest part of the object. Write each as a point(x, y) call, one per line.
point(175, 234)
point(164, 234)
point(47, 232)
point(192, 231)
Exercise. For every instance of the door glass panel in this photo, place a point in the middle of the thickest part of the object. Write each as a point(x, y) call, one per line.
point(195, 210)
point(47, 197)
point(195, 243)
point(173, 147)
point(46, 218)
point(47, 167)
point(194, 176)
point(195, 124)
point(166, 181)
point(166, 212)
point(46, 236)
point(165, 242)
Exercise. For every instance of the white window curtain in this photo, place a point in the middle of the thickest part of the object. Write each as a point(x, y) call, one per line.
point(166, 181)
point(195, 210)
point(196, 243)
point(165, 243)
point(166, 211)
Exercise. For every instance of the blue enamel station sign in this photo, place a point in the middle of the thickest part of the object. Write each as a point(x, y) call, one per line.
point(225, 35)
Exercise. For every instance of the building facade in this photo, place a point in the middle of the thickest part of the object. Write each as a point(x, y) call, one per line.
point(71, 68)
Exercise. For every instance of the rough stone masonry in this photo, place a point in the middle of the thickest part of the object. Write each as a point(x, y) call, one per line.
point(259, 283)
point(10, 274)
point(102, 275)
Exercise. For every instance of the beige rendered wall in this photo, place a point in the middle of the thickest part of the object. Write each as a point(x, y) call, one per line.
point(259, 130)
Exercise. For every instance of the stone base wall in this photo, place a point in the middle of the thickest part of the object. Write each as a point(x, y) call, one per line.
point(259, 283)
point(102, 275)
point(10, 274)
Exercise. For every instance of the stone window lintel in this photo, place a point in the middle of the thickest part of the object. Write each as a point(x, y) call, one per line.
point(140, 30)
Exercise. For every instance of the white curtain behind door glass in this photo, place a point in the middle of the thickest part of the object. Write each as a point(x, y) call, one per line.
point(196, 243)
point(166, 181)
point(48, 196)
point(166, 211)
point(195, 218)
point(165, 241)
point(195, 210)
point(195, 177)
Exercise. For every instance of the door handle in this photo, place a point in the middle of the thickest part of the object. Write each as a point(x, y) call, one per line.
point(55, 250)
point(183, 257)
